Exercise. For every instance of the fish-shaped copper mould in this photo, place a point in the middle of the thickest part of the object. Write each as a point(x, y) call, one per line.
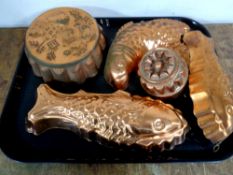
point(210, 88)
point(117, 117)
point(133, 40)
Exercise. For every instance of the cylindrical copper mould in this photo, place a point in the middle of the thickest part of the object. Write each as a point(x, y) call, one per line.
point(64, 44)
point(163, 73)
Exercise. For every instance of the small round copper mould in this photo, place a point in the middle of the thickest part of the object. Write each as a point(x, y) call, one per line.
point(163, 73)
point(64, 44)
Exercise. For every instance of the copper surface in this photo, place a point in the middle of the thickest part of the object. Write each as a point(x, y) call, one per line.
point(163, 73)
point(62, 35)
point(133, 40)
point(210, 88)
point(64, 44)
point(116, 117)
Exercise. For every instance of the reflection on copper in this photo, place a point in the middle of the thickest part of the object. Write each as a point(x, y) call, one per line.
point(133, 40)
point(209, 88)
point(163, 73)
point(116, 117)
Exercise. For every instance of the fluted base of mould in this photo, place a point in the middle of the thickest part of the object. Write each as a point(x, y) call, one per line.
point(77, 73)
point(210, 89)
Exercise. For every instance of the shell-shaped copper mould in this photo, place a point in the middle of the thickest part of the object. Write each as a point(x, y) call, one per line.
point(210, 88)
point(163, 73)
point(64, 44)
point(118, 117)
point(133, 40)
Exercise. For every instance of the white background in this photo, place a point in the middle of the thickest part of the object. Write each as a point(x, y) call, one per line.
point(19, 13)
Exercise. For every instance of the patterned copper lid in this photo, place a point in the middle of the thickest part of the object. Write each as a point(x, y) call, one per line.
point(163, 73)
point(62, 36)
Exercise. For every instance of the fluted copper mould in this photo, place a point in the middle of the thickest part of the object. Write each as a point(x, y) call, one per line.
point(117, 117)
point(133, 40)
point(210, 88)
point(64, 44)
point(163, 73)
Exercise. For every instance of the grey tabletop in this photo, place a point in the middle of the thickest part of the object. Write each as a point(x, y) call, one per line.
point(11, 43)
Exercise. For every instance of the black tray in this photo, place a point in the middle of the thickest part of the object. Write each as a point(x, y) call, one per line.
point(60, 145)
